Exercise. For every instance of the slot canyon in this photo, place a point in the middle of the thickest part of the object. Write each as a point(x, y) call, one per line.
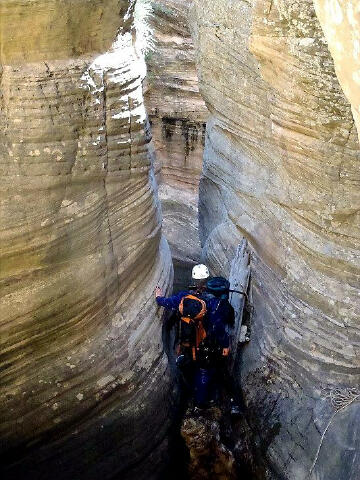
point(138, 139)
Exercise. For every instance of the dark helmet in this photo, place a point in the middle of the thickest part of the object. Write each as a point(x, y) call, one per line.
point(218, 286)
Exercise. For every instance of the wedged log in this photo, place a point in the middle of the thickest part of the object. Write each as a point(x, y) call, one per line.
point(84, 380)
point(239, 282)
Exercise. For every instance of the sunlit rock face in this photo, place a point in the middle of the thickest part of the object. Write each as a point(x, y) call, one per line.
point(177, 114)
point(340, 20)
point(282, 168)
point(84, 382)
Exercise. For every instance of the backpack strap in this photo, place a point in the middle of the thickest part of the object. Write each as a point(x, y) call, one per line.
point(186, 319)
point(200, 333)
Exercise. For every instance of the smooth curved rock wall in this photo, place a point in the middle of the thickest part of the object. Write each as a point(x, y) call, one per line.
point(340, 20)
point(281, 166)
point(178, 116)
point(84, 380)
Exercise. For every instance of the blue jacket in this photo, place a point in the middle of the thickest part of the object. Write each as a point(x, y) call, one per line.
point(219, 320)
point(219, 316)
point(173, 302)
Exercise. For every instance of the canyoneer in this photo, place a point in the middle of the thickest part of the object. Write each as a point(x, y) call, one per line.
point(205, 319)
point(215, 349)
point(190, 307)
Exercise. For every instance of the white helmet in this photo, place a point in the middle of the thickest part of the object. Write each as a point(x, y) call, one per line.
point(200, 272)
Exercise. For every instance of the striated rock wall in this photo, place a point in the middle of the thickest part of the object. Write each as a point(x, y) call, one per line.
point(282, 168)
point(340, 20)
point(84, 381)
point(178, 115)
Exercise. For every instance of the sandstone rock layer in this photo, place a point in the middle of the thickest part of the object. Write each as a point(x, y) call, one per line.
point(177, 114)
point(340, 20)
point(282, 168)
point(84, 382)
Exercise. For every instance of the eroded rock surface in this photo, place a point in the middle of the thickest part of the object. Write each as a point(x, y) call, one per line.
point(282, 168)
point(84, 381)
point(340, 20)
point(177, 114)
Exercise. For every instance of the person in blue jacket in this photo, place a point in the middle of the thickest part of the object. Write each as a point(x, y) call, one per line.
point(219, 312)
point(219, 321)
point(200, 274)
point(214, 348)
point(187, 335)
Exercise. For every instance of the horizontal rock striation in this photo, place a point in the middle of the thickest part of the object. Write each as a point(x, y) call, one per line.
point(84, 381)
point(340, 20)
point(177, 114)
point(176, 109)
point(282, 168)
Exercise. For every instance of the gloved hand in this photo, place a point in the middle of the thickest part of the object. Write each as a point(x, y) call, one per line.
point(158, 292)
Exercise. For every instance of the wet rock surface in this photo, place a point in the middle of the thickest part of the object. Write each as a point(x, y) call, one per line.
point(218, 445)
point(209, 457)
point(281, 167)
point(85, 387)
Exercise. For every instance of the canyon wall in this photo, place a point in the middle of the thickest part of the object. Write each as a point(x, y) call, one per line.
point(84, 381)
point(178, 116)
point(340, 20)
point(281, 166)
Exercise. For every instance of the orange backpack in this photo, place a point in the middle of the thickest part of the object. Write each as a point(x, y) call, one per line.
point(192, 310)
